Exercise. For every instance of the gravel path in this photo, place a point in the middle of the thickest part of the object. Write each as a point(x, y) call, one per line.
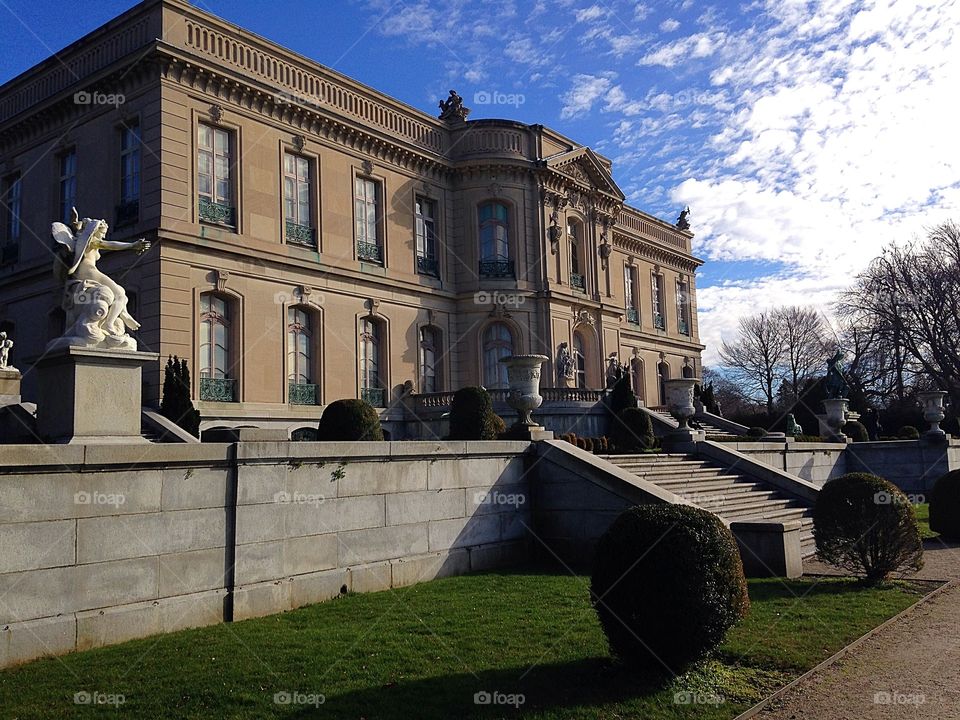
point(908, 669)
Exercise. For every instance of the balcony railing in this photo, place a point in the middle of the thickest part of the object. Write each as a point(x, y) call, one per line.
point(218, 389)
point(658, 322)
point(683, 327)
point(303, 394)
point(300, 234)
point(427, 266)
point(578, 282)
point(496, 268)
point(218, 213)
point(374, 396)
point(370, 252)
point(633, 316)
point(550, 395)
point(128, 213)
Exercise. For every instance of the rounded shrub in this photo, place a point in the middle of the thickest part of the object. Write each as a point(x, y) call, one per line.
point(472, 416)
point(632, 430)
point(945, 506)
point(667, 584)
point(865, 524)
point(856, 430)
point(345, 420)
point(756, 432)
point(908, 432)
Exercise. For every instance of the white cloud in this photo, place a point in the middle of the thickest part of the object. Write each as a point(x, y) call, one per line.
point(669, 25)
point(699, 45)
point(584, 93)
point(594, 12)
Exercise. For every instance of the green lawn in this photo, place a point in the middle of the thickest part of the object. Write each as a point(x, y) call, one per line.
point(923, 519)
point(425, 651)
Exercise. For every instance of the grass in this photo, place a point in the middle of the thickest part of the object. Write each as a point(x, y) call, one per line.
point(923, 519)
point(424, 651)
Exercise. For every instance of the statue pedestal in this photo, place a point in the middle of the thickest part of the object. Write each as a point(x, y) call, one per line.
point(9, 387)
point(90, 395)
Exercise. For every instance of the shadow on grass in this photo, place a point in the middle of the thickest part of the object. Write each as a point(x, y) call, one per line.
point(780, 589)
point(556, 686)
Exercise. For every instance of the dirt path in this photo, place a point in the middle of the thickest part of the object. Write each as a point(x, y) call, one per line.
point(908, 669)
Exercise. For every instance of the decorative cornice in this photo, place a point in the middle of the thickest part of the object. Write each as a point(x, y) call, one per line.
point(654, 253)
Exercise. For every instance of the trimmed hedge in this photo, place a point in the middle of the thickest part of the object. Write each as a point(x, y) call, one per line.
point(756, 432)
point(632, 431)
point(865, 524)
point(472, 416)
point(945, 506)
point(857, 431)
point(908, 432)
point(667, 584)
point(348, 420)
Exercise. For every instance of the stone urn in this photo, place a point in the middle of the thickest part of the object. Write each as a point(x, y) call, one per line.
point(523, 377)
point(932, 401)
point(680, 399)
point(836, 416)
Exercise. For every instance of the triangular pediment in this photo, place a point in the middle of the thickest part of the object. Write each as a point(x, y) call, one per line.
point(585, 167)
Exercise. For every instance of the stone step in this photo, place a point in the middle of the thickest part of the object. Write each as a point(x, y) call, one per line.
point(720, 482)
point(722, 504)
point(779, 515)
point(691, 474)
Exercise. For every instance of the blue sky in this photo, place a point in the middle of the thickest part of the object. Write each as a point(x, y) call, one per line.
point(804, 134)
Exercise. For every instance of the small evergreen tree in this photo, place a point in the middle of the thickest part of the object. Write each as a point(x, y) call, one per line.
point(621, 397)
point(176, 404)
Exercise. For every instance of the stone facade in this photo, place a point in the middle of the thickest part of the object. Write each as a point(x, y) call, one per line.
point(412, 253)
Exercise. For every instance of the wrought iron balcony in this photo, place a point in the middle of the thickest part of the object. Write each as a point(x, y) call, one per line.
point(370, 252)
point(218, 213)
point(303, 394)
point(128, 213)
point(658, 322)
point(633, 316)
point(374, 396)
point(300, 235)
point(578, 281)
point(427, 266)
point(496, 268)
point(683, 327)
point(9, 253)
point(218, 389)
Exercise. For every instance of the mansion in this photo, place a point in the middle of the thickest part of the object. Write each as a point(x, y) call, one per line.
point(313, 239)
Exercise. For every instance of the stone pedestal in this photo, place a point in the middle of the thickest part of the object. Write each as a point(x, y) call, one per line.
point(9, 387)
point(90, 395)
point(769, 548)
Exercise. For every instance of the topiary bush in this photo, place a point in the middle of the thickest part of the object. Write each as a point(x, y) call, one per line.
point(667, 584)
point(621, 396)
point(345, 420)
point(756, 432)
point(472, 416)
point(632, 430)
point(857, 431)
point(865, 524)
point(945, 506)
point(908, 432)
point(176, 405)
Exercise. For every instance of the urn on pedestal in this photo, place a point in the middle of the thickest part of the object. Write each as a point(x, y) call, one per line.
point(523, 377)
point(932, 401)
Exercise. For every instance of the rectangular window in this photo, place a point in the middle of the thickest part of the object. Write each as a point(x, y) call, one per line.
point(659, 321)
point(426, 231)
point(215, 175)
point(129, 209)
point(683, 307)
point(68, 184)
point(366, 201)
point(12, 199)
point(630, 294)
point(297, 203)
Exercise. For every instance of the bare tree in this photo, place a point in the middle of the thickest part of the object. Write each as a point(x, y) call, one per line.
point(806, 345)
point(756, 358)
point(910, 296)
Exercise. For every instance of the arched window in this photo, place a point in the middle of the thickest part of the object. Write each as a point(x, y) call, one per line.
point(429, 360)
point(300, 365)
point(494, 240)
point(575, 233)
point(579, 360)
point(497, 343)
point(371, 388)
point(215, 351)
point(663, 373)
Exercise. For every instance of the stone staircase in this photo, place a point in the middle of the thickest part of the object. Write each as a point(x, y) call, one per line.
point(712, 432)
point(731, 495)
